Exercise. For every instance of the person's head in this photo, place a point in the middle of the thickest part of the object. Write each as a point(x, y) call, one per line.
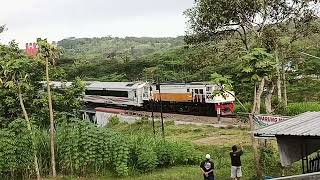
point(208, 156)
point(234, 148)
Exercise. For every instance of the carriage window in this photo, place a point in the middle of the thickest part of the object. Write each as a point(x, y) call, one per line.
point(196, 91)
point(107, 93)
point(201, 91)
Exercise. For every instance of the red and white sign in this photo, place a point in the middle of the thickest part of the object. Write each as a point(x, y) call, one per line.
point(268, 120)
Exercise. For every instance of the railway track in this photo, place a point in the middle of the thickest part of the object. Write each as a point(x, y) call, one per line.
point(185, 117)
point(232, 120)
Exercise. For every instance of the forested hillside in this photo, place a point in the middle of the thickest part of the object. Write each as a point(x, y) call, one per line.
point(112, 59)
point(170, 59)
point(113, 47)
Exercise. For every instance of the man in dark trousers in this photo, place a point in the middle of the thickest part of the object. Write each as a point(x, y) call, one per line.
point(236, 172)
point(207, 167)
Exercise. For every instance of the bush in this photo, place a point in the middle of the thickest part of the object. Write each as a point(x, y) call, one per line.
point(248, 106)
point(83, 148)
point(185, 154)
point(148, 152)
point(165, 153)
point(298, 108)
point(15, 149)
point(114, 120)
point(147, 159)
point(269, 161)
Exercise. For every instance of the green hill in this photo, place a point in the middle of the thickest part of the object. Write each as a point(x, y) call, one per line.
point(112, 58)
point(112, 47)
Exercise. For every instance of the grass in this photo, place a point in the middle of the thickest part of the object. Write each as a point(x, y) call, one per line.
point(174, 173)
point(298, 108)
point(200, 135)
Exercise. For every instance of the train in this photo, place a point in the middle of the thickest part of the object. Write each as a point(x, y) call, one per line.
point(193, 97)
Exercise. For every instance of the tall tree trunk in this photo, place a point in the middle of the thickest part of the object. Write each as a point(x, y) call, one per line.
point(52, 131)
point(25, 114)
point(253, 140)
point(278, 77)
point(285, 98)
point(268, 98)
point(258, 95)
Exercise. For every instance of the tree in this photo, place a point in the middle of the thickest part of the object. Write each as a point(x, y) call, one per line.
point(15, 75)
point(2, 28)
point(215, 19)
point(256, 66)
point(49, 52)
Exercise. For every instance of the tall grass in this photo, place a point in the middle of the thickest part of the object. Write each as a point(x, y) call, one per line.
point(298, 108)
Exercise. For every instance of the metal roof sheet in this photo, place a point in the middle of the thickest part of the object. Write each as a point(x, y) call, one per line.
point(306, 124)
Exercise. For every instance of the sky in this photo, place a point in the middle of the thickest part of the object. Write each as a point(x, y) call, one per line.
point(27, 20)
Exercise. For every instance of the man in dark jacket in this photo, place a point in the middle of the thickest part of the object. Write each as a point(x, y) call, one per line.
point(207, 168)
point(236, 172)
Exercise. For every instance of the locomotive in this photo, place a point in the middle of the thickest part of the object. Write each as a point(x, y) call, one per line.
point(194, 97)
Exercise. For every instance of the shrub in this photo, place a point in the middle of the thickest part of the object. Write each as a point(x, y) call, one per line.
point(269, 161)
point(113, 120)
point(298, 108)
point(147, 159)
point(248, 106)
point(15, 152)
point(83, 147)
point(185, 154)
point(165, 153)
point(148, 152)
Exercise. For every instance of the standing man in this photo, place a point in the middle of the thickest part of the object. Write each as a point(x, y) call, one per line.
point(207, 167)
point(236, 172)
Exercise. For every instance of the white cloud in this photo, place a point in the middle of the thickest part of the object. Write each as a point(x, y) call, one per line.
point(56, 19)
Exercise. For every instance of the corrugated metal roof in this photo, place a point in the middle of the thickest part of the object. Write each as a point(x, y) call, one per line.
point(306, 124)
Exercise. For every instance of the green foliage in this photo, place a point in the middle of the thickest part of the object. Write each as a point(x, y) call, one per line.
point(17, 72)
point(15, 143)
point(84, 148)
point(269, 161)
point(223, 83)
point(298, 108)
point(185, 154)
point(165, 153)
point(257, 64)
point(47, 50)
point(147, 158)
point(304, 90)
point(114, 120)
point(2, 28)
